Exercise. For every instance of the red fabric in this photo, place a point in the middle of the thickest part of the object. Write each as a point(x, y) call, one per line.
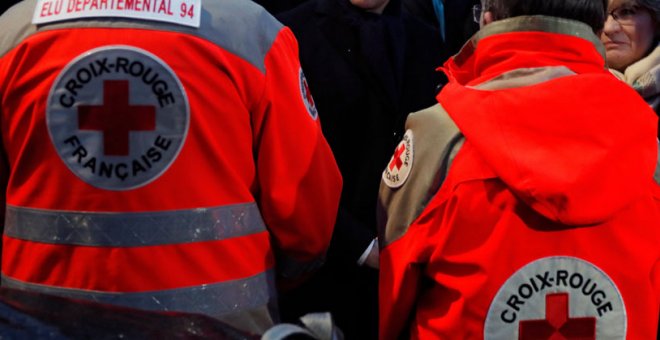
point(116, 117)
point(555, 125)
point(561, 168)
point(237, 113)
point(293, 170)
point(557, 320)
point(133, 269)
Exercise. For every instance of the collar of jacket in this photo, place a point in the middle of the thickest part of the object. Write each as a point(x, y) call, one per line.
point(524, 42)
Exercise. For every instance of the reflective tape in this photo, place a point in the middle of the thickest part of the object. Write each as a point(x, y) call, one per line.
point(217, 300)
point(133, 229)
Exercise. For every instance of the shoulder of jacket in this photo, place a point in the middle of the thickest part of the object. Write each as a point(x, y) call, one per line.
point(241, 27)
point(237, 26)
point(433, 140)
point(16, 25)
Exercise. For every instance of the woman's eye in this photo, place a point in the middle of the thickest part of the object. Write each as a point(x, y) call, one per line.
point(627, 12)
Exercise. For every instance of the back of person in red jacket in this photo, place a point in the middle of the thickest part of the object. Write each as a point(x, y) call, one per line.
point(524, 205)
point(160, 155)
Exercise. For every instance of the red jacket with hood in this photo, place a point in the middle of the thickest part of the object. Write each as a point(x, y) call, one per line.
point(547, 222)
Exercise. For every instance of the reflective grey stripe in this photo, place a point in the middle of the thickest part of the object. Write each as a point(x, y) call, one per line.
point(525, 77)
point(218, 300)
point(133, 229)
point(238, 26)
point(248, 29)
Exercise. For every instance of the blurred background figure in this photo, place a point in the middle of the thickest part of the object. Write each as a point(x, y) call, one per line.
point(368, 64)
point(630, 36)
point(632, 41)
point(277, 6)
point(452, 18)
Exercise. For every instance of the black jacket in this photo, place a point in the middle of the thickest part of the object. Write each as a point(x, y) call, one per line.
point(277, 6)
point(459, 24)
point(364, 81)
point(366, 73)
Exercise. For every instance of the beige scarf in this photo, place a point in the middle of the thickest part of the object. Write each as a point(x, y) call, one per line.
point(644, 77)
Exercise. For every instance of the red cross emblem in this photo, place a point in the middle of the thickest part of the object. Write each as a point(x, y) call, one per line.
point(116, 117)
point(557, 324)
point(396, 159)
point(308, 93)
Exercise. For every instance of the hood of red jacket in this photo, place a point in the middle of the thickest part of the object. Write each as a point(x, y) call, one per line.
point(577, 148)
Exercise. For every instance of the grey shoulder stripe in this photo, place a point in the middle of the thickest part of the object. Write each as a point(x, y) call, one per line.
point(436, 140)
point(250, 30)
point(237, 26)
point(16, 25)
point(525, 77)
point(133, 229)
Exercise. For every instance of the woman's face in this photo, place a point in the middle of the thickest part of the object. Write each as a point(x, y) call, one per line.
point(628, 33)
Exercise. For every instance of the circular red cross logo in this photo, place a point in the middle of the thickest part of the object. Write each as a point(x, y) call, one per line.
point(557, 297)
point(118, 117)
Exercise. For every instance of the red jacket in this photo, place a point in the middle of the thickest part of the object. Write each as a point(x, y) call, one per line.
point(547, 222)
point(166, 163)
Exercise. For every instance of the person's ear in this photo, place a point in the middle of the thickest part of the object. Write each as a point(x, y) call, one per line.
point(487, 18)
